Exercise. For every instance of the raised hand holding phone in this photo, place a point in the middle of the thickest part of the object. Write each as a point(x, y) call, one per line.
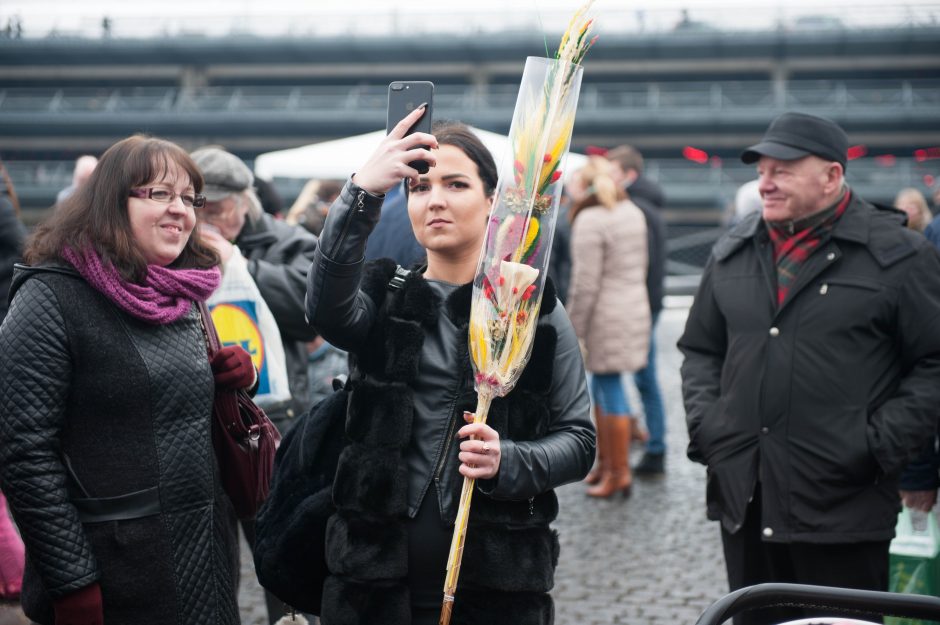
point(390, 163)
point(405, 96)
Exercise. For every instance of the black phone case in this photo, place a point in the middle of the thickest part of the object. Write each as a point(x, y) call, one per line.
point(403, 97)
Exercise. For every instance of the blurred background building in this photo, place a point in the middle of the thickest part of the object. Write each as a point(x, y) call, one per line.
point(689, 88)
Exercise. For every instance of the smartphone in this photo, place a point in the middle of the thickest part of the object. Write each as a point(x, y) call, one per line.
point(405, 96)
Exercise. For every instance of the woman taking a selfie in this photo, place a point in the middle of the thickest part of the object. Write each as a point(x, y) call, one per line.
point(398, 481)
point(106, 392)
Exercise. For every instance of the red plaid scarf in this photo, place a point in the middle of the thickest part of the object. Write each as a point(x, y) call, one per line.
point(794, 242)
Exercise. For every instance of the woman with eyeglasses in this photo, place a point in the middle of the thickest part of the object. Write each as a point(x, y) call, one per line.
point(106, 393)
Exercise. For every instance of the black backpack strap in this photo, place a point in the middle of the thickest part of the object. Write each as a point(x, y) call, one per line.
point(398, 280)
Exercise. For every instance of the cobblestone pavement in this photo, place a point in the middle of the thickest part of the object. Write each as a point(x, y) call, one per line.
point(651, 559)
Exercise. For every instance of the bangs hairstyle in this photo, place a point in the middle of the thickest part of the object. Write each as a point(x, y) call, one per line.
point(601, 188)
point(462, 137)
point(96, 214)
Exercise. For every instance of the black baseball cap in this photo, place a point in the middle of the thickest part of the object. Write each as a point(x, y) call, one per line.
point(795, 135)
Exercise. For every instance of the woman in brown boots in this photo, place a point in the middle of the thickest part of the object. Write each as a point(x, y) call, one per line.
point(609, 308)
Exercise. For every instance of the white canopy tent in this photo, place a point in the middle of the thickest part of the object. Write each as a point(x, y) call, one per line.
point(340, 158)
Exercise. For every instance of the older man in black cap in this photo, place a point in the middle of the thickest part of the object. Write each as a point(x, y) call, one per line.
point(812, 355)
point(279, 257)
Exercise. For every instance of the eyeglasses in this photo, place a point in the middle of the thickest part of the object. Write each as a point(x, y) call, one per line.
point(165, 196)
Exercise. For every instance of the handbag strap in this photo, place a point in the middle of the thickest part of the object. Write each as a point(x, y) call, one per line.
point(208, 330)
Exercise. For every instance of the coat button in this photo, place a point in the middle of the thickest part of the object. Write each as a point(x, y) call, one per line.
point(831, 256)
point(775, 332)
point(768, 532)
point(765, 430)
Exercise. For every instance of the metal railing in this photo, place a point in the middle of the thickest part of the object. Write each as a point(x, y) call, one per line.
point(723, 176)
point(896, 173)
point(730, 96)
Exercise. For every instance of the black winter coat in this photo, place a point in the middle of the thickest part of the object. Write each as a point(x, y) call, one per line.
point(408, 392)
point(649, 198)
point(279, 257)
point(357, 526)
point(825, 399)
point(97, 404)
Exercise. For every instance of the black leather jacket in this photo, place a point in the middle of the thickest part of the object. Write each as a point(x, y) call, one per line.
point(343, 314)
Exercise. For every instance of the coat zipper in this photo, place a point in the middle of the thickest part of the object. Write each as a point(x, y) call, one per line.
point(360, 206)
point(450, 433)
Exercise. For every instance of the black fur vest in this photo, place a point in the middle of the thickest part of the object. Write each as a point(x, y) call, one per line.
point(511, 552)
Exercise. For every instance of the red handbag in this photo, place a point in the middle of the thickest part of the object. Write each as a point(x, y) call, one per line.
point(243, 437)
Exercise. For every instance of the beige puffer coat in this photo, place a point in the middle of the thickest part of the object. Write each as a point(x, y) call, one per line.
point(607, 301)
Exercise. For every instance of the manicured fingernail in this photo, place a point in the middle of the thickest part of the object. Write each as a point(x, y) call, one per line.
point(422, 105)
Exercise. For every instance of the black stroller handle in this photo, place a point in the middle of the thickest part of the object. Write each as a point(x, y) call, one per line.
point(824, 597)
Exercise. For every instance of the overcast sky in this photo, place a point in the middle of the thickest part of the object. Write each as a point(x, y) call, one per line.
point(38, 17)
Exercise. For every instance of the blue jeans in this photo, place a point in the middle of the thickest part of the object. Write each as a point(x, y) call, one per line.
point(652, 398)
point(608, 394)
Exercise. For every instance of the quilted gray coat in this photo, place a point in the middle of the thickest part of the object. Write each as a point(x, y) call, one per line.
point(95, 404)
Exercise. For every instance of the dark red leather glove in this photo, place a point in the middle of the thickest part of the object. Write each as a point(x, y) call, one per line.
point(82, 607)
point(232, 368)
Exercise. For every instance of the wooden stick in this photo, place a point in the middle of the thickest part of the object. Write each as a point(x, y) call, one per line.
point(454, 559)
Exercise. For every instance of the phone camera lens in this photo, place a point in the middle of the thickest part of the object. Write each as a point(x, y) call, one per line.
point(397, 86)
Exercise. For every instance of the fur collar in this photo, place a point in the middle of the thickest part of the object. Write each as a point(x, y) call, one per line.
point(458, 304)
point(421, 303)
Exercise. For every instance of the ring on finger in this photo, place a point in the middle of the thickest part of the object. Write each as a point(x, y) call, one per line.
point(486, 448)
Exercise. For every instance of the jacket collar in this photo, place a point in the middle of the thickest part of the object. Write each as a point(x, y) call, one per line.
point(257, 233)
point(855, 226)
point(23, 272)
point(855, 223)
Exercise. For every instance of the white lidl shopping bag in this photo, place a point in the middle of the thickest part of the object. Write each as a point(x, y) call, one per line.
point(243, 318)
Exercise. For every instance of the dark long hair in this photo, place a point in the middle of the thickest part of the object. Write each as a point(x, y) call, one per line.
point(95, 214)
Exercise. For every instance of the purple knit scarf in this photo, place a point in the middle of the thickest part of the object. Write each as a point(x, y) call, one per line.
point(165, 295)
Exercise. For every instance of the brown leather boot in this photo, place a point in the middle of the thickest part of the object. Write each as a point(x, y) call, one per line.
point(617, 477)
point(600, 419)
